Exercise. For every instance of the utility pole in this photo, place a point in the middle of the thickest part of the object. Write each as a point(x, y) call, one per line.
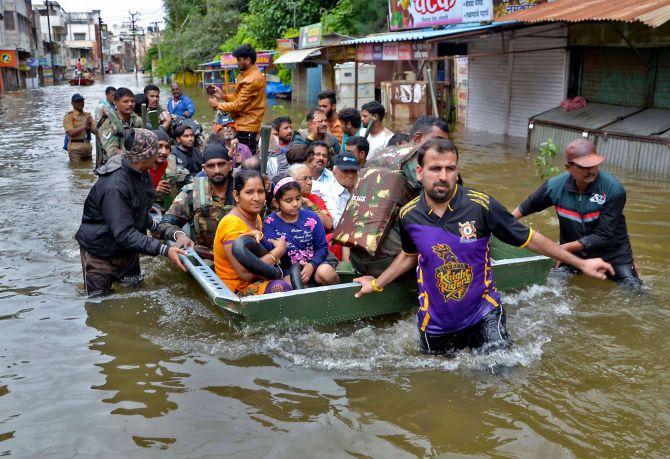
point(133, 31)
point(158, 45)
point(51, 43)
point(102, 56)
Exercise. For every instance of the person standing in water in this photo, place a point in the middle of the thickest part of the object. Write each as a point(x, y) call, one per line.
point(446, 232)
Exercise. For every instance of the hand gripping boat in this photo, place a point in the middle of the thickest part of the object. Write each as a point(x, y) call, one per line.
point(513, 268)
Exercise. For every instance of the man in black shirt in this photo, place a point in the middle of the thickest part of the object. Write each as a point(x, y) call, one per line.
point(187, 154)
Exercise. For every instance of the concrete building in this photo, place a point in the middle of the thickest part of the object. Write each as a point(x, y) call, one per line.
point(20, 44)
point(55, 49)
point(82, 39)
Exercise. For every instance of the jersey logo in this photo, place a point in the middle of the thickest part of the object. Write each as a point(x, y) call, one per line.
point(453, 278)
point(598, 198)
point(468, 231)
point(108, 135)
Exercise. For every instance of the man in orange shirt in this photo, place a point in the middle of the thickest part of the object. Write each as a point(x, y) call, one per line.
point(328, 104)
point(247, 104)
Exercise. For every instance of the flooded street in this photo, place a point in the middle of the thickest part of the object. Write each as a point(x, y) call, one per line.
point(157, 368)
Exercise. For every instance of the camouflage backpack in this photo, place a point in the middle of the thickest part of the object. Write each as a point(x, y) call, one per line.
point(207, 213)
point(369, 224)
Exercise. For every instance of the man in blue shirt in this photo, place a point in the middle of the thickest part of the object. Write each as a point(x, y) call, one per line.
point(180, 105)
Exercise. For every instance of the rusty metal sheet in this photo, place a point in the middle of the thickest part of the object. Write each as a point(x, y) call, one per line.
point(652, 13)
point(593, 116)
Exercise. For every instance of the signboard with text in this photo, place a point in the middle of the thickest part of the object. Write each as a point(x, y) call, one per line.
point(310, 36)
point(284, 45)
point(8, 58)
point(418, 14)
point(404, 51)
point(229, 61)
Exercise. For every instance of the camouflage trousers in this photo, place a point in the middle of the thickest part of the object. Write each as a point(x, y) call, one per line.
point(80, 151)
point(101, 273)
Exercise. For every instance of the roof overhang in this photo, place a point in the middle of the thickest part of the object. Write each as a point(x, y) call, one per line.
point(652, 13)
point(297, 56)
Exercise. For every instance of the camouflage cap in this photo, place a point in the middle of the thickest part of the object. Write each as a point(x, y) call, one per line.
point(144, 146)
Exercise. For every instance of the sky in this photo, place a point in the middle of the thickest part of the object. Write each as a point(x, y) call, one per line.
point(116, 11)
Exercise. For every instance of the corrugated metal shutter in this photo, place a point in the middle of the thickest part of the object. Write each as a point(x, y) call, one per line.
point(614, 76)
point(299, 84)
point(539, 79)
point(662, 91)
point(327, 77)
point(487, 86)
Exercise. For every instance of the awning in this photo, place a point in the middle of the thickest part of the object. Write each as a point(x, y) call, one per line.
point(653, 13)
point(423, 34)
point(294, 57)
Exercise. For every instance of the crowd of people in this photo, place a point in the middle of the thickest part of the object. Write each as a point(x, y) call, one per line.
point(163, 190)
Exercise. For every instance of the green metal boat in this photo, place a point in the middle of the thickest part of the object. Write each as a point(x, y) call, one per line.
point(513, 268)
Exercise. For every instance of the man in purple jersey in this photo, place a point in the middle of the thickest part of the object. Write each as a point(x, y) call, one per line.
point(446, 230)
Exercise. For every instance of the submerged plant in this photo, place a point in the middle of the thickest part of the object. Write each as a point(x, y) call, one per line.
point(543, 161)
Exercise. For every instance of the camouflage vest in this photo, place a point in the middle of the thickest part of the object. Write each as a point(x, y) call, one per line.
point(207, 211)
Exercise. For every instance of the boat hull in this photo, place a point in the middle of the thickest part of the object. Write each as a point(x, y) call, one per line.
point(81, 82)
point(513, 269)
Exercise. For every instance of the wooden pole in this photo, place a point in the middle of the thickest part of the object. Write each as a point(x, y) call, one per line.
point(356, 83)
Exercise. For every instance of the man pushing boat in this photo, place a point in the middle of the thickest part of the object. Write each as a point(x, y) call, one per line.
point(446, 231)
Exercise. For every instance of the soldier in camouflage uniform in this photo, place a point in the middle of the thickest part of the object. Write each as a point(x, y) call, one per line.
point(173, 176)
point(112, 127)
point(202, 203)
point(369, 224)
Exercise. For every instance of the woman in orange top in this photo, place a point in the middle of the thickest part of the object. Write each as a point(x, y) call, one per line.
point(244, 219)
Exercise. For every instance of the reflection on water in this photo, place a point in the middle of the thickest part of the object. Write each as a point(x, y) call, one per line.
point(138, 372)
point(159, 368)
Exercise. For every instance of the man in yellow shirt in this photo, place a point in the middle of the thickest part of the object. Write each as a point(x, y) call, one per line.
point(247, 104)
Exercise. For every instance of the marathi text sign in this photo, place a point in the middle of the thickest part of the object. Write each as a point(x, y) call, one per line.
point(284, 45)
point(503, 7)
point(418, 14)
point(229, 61)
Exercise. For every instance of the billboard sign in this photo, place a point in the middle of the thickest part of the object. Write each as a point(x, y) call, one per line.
point(419, 14)
point(310, 36)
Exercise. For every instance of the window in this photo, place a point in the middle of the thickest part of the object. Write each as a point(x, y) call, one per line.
point(80, 36)
point(9, 20)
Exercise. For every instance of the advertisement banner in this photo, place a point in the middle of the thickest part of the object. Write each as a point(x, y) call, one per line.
point(418, 14)
point(420, 51)
point(32, 62)
point(310, 36)
point(263, 59)
point(284, 45)
point(8, 58)
point(503, 7)
point(228, 60)
point(404, 51)
point(390, 52)
point(364, 52)
point(377, 52)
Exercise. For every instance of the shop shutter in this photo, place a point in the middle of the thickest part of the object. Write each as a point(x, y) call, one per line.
point(614, 76)
point(487, 85)
point(662, 90)
point(539, 78)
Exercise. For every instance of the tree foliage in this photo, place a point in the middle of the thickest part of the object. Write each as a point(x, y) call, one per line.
point(198, 30)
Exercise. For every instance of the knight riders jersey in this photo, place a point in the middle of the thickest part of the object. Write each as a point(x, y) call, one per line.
point(456, 288)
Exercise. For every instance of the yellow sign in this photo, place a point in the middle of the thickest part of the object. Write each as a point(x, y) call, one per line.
point(8, 58)
point(83, 61)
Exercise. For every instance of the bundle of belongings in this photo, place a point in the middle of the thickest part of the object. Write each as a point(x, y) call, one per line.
point(370, 224)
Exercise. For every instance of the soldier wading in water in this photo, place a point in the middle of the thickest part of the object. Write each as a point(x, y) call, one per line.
point(446, 230)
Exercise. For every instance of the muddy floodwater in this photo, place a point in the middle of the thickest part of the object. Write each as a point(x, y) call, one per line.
point(156, 370)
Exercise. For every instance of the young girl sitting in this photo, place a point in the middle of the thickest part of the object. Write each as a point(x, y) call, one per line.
point(304, 234)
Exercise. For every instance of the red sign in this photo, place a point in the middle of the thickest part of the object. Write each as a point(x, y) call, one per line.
point(8, 58)
point(364, 52)
point(390, 52)
point(404, 52)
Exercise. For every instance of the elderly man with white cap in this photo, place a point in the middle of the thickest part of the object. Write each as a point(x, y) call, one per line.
point(589, 204)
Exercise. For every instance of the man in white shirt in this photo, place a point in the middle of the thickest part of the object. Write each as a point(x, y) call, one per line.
point(336, 195)
point(317, 160)
point(373, 112)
